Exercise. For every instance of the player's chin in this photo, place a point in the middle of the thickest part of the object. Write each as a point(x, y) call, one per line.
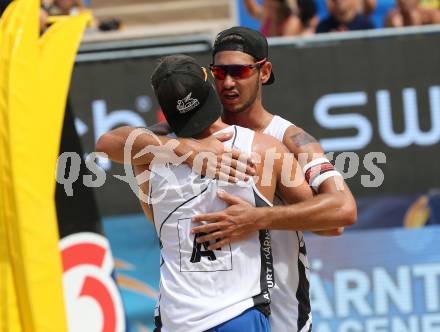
point(231, 110)
point(232, 107)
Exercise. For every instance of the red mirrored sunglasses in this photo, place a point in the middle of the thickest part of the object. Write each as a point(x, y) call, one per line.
point(235, 71)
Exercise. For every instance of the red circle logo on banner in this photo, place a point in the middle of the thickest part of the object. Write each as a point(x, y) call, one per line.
point(93, 301)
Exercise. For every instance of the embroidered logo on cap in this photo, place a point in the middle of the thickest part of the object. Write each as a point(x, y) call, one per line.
point(187, 104)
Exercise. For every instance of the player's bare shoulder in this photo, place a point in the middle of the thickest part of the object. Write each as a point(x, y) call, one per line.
point(297, 140)
point(263, 143)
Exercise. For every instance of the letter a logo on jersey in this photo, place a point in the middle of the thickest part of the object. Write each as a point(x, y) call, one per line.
point(198, 253)
point(196, 257)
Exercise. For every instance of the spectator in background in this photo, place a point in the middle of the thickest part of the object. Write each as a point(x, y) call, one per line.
point(43, 20)
point(432, 4)
point(308, 16)
point(58, 7)
point(366, 7)
point(65, 7)
point(344, 16)
point(277, 17)
point(75, 7)
point(409, 13)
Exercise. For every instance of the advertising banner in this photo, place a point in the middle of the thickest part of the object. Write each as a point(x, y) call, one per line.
point(135, 246)
point(374, 281)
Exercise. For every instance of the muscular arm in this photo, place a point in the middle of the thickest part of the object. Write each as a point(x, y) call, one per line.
point(142, 146)
point(334, 205)
point(133, 140)
point(326, 213)
point(287, 178)
point(291, 185)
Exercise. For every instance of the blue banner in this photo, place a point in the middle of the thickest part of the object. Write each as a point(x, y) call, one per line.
point(135, 248)
point(376, 281)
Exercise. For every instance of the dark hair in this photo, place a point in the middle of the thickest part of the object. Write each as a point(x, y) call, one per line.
point(285, 11)
point(307, 10)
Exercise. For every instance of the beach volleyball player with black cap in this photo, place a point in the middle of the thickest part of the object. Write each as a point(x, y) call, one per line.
point(186, 96)
point(241, 67)
point(223, 290)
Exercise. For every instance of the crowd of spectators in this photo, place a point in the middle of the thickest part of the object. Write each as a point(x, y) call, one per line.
point(347, 15)
point(412, 12)
point(300, 17)
point(63, 7)
point(69, 8)
point(292, 17)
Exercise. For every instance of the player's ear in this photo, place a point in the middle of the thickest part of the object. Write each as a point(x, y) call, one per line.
point(266, 70)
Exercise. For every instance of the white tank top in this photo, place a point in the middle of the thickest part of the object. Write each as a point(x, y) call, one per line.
point(290, 297)
point(199, 288)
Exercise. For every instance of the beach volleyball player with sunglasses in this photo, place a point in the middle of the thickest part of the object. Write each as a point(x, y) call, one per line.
point(241, 67)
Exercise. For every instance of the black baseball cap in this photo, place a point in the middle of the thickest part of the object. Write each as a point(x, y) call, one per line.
point(185, 94)
point(246, 40)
